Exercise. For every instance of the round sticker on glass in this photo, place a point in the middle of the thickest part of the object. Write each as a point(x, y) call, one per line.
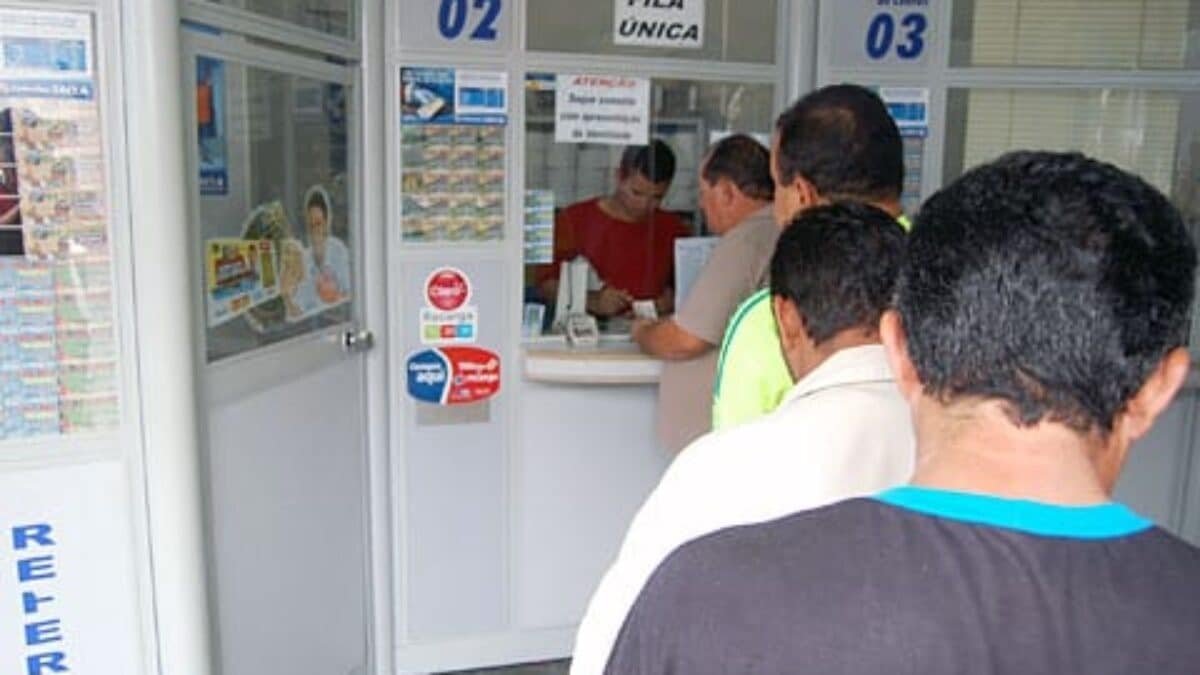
point(447, 289)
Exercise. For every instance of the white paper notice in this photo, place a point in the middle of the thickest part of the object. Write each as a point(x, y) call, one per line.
point(691, 255)
point(45, 45)
point(677, 24)
point(602, 109)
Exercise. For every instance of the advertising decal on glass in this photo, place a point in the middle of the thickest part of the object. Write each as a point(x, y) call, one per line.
point(447, 318)
point(452, 153)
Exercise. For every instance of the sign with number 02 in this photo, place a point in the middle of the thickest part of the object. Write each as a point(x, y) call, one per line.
point(480, 24)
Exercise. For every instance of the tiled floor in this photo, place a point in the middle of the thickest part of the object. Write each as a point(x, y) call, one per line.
point(546, 668)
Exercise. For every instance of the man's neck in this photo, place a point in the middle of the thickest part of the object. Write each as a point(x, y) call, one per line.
point(613, 209)
point(974, 447)
point(746, 208)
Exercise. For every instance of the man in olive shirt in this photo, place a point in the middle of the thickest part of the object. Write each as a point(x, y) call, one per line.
point(836, 144)
point(735, 194)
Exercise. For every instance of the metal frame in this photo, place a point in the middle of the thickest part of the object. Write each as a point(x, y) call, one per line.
point(276, 30)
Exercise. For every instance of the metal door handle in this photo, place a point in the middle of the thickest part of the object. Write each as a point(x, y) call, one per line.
point(357, 342)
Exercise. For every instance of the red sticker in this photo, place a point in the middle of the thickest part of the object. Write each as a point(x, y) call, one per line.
point(475, 374)
point(447, 289)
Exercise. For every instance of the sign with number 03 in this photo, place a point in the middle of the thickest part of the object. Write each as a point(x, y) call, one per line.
point(477, 24)
point(874, 33)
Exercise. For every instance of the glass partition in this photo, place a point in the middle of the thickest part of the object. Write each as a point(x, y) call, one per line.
point(276, 208)
point(1101, 34)
point(732, 30)
point(335, 17)
point(580, 201)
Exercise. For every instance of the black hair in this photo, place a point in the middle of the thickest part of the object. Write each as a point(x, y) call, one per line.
point(744, 162)
point(838, 264)
point(842, 139)
point(317, 199)
point(1050, 281)
point(655, 161)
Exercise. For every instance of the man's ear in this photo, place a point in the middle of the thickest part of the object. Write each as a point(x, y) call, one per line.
point(895, 342)
point(726, 191)
point(807, 192)
point(787, 319)
point(1155, 394)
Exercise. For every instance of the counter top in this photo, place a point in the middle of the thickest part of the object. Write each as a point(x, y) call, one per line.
point(616, 360)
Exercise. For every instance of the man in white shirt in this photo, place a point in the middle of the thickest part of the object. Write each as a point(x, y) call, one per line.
point(842, 431)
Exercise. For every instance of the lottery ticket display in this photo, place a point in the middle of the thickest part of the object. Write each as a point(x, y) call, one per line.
point(452, 153)
point(453, 182)
point(58, 346)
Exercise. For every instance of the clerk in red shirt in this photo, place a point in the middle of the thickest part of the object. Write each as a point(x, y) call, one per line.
point(625, 236)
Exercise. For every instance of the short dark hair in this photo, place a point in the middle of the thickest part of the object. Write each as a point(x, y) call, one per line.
point(839, 264)
point(842, 139)
point(742, 161)
point(1050, 281)
point(317, 199)
point(655, 161)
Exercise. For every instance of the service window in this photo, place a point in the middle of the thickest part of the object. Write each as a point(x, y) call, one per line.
point(712, 30)
point(620, 205)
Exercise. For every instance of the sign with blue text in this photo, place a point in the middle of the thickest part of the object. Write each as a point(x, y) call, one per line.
point(68, 589)
point(476, 24)
point(677, 24)
point(883, 33)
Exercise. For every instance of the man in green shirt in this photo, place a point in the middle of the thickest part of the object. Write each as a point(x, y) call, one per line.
point(836, 144)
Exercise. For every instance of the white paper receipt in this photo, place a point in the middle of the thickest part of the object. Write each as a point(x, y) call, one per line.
point(644, 309)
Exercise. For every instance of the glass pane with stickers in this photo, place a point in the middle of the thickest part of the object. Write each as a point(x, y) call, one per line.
point(59, 355)
point(1100, 34)
point(335, 17)
point(711, 30)
point(276, 205)
point(565, 174)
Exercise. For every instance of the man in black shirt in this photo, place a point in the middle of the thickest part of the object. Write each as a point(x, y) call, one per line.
point(1038, 333)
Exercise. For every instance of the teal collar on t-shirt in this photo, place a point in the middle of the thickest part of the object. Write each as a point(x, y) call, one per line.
point(1102, 521)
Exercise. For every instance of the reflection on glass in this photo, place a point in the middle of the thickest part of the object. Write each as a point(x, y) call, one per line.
point(733, 30)
point(274, 205)
point(1114, 34)
point(621, 208)
point(335, 17)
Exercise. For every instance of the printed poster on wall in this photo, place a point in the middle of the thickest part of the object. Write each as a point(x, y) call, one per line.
point(611, 110)
point(452, 96)
point(452, 154)
point(677, 24)
point(69, 598)
point(210, 126)
point(909, 107)
point(59, 362)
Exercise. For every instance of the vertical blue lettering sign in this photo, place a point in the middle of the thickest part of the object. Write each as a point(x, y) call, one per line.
point(42, 632)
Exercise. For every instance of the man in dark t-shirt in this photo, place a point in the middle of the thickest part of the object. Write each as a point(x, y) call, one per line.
point(1038, 333)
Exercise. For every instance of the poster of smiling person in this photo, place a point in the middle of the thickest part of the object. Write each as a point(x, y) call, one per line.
point(295, 286)
point(328, 256)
